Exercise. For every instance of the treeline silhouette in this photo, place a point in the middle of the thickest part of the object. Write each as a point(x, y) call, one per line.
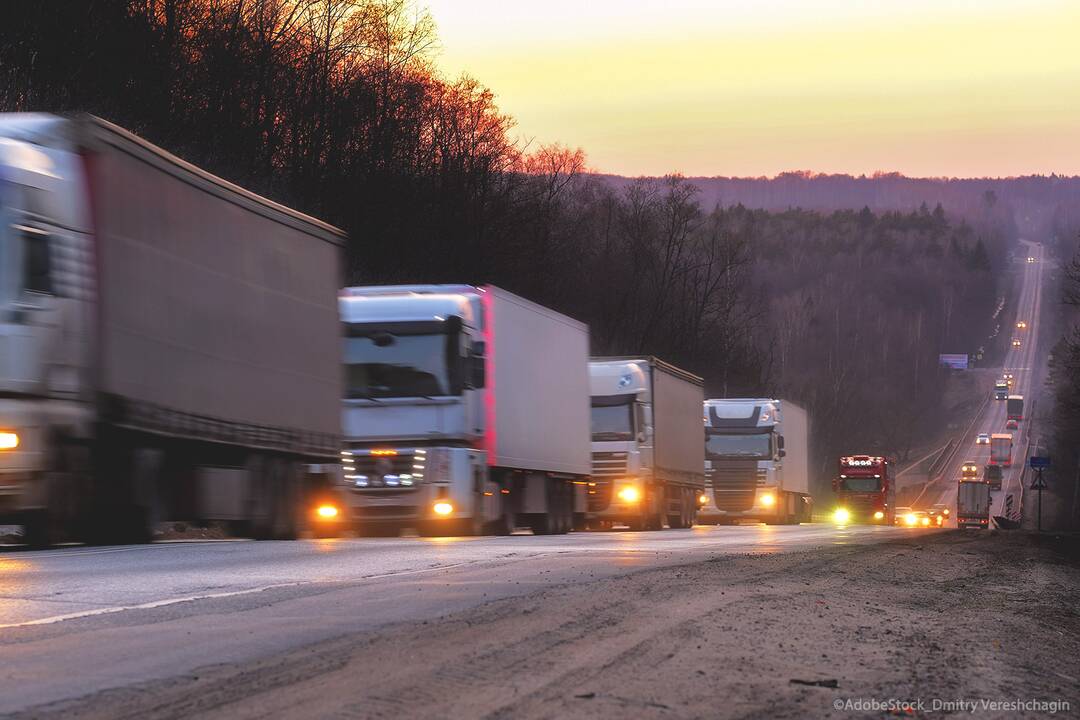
point(336, 107)
point(1036, 206)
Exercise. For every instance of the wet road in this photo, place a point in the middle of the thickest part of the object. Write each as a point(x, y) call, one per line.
point(74, 621)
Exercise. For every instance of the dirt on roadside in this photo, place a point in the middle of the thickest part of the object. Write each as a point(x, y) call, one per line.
point(947, 616)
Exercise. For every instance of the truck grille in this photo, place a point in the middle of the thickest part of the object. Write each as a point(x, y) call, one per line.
point(734, 483)
point(609, 464)
point(382, 471)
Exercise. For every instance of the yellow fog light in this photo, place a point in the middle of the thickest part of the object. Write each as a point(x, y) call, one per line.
point(9, 440)
point(326, 512)
point(443, 508)
point(841, 515)
point(629, 494)
point(879, 515)
point(702, 499)
point(768, 500)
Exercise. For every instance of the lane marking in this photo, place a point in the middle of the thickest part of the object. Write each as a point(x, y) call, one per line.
point(149, 605)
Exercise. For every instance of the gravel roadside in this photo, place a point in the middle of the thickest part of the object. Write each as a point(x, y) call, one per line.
point(937, 617)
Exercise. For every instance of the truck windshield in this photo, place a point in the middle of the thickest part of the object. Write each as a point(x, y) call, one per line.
point(757, 445)
point(380, 364)
point(862, 485)
point(612, 422)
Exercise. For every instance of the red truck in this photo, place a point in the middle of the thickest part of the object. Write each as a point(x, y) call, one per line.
point(864, 491)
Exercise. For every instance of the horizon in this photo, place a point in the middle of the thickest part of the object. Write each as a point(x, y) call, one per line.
point(926, 89)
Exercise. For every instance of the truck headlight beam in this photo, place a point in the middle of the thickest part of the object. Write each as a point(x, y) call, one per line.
point(9, 439)
point(629, 494)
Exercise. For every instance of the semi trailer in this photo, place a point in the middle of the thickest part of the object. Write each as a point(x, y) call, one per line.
point(648, 461)
point(756, 461)
point(466, 410)
point(164, 342)
point(972, 503)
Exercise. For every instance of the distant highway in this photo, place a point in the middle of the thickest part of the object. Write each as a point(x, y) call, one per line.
point(1021, 362)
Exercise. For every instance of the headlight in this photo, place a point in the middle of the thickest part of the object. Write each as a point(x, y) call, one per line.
point(326, 512)
point(9, 440)
point(841, 515)
point(926, 522)
point(443, 508)
point(945, 512)
point(702, 499)
point(768, 500)
point(629, 494)
point(879, 515)
point(910, 519)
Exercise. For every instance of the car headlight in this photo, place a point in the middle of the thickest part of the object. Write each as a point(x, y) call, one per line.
point(879, 515)
point(841, 515)
point(702, 499)
point(9, 439)
point(910, 519)
point(926, 522)
point(629, 494)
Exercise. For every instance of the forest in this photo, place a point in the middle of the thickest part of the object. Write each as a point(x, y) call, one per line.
point(337, 107)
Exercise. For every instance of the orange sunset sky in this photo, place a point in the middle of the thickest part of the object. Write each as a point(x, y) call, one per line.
point(756, 87)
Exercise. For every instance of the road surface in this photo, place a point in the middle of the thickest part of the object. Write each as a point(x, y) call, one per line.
point(75, 621)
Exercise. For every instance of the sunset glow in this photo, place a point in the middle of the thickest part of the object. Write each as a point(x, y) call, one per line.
point(947, 87)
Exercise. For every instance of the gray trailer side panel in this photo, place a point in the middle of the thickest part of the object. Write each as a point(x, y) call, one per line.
point(795, 427)
point(213, 303)
point(678, 440)
point(538, 387)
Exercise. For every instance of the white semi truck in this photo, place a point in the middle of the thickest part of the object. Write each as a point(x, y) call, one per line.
point(466, 410)
point(164, 338)
point(647, 455)
point(756, 462)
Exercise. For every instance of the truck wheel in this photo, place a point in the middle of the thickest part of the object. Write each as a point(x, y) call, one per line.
point(64, 517)
point(287, 501)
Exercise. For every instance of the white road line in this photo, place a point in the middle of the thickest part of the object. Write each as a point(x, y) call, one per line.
point(149, 605)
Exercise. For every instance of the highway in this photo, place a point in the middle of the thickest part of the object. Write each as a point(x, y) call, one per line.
point(1022, 363)
point(75, 621)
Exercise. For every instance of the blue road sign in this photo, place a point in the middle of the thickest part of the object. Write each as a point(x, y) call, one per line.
point(1039, 462)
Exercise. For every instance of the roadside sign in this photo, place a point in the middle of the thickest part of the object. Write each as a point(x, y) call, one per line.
point(1038, 483)
point(956, 361)
point(1039, 462)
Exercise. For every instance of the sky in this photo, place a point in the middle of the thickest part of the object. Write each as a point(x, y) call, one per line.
point(756, 87)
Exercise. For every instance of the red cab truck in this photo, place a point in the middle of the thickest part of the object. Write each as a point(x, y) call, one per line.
point(865, 493)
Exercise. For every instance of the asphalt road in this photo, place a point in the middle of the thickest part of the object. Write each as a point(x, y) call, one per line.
point(1022, 363)
point(76, 621)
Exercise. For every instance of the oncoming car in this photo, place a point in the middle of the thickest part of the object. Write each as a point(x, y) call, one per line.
point(1020, 325)
point(982, 439)
point(915, 518)
point(1016, 342)
point(901, 513)
point(1031, 259)
point(938, 513)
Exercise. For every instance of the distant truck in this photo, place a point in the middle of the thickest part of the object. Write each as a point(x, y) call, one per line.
point(163, 342)
point(466, 411)
point(756, 462)
point(648, 461)
point(1001, 449)
point(865, 492)
point(993, 475)
point(1014, 408)
point(972, 504)
point(1001, 390)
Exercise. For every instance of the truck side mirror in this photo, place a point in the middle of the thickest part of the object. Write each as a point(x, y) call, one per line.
point(477, 372)
point(783, 452)
point(780, 442)
point(37, 265)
